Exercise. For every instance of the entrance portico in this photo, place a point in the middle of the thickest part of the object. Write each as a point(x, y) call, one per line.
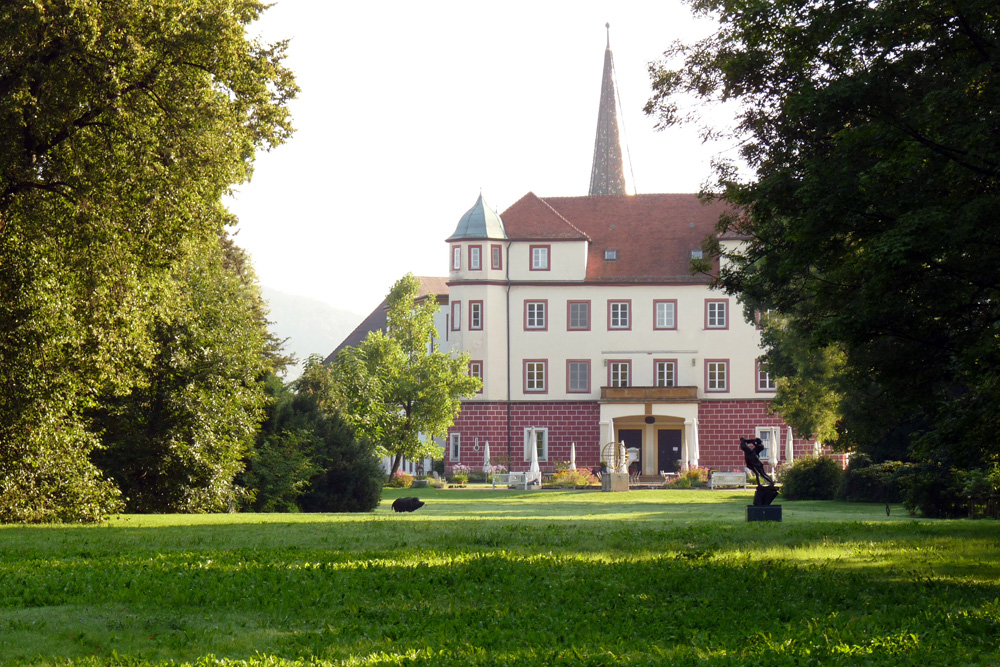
point(662, 422)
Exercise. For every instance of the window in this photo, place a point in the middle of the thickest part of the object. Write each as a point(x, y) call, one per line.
point(541, 443)
point(456, 315)
point(475, 315)
point(768, 439)
point(618, 315)
point(540, 258)
point(578, 376)
point(534, 315)
point(456, 257)
point(578, 316)
point(716, 375)
point(764, 380)
point(665, 372)
point(476, 371)
point(454, 445)
point(665, 314)
point(534, 376)
point(610, 255)
point(715, 314)
point(475, 257)
point(496, 253)
point(618, 373)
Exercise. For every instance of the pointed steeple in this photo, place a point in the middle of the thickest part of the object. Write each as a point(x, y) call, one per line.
point(607, 176)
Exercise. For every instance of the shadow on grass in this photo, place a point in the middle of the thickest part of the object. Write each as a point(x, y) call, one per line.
point(496, 601)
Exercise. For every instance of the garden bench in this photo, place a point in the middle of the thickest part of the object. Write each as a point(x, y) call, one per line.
point(522, 479)
point(511, 479)
point(727, 479)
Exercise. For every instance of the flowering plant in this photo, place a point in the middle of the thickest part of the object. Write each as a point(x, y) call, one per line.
point(400, 480)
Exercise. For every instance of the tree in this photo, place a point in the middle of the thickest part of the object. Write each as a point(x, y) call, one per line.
point(122, 125)
point(398, 390)
point(176, 441)
point(870, 133)
point(306, 456)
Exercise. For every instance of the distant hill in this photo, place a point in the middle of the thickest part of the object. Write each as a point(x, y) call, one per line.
point(310, 325)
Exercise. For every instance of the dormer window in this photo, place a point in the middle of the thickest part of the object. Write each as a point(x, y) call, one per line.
point(610, 255)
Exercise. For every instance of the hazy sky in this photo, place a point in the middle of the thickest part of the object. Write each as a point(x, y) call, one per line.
point(409, 110)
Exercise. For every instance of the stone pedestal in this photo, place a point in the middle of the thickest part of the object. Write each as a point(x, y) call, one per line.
point(764, 495)
point(614, 481)
point(763, 512)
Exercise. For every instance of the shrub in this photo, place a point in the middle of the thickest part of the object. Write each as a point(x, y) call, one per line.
point(979, 483)
point(812, 478)
point(933, 490)
point(570, 479)
point(693, 477)
point(400, 480)
point(865, 482)
point(278, 471)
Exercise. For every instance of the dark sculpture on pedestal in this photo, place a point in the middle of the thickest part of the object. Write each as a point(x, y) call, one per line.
point(752, 447)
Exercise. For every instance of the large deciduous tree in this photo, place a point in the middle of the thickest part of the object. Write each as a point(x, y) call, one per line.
point(871, 206)
point(122, 125)
point(176, 441)
point(397, 388)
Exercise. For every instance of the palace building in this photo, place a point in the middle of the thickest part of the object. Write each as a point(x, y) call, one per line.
point(584, 322)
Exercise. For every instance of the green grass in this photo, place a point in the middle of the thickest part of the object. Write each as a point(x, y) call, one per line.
point(508, 577)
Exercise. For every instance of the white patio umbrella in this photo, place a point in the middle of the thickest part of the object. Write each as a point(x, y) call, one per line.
point(533, 469)
point(486, 459)
point(572, 456)
point(789, 449)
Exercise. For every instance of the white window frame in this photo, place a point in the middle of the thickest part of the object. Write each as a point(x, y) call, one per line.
point(535, 320)
point(768, 384)
point(663, 308)
point(456, 258)
point(660, 375)
point(620, 373)
point(535, 376)
point(540, 258)
point(716, 370)
point(717, 314)
point(619, 315)
point(475, 258)
point(454, 446)
point(475, 315)
point(770, 438)
point(541, 438)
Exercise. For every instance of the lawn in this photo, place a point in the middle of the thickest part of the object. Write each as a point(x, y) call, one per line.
point(508, 578)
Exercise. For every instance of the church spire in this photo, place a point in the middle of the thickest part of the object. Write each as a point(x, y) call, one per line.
point(607, 176)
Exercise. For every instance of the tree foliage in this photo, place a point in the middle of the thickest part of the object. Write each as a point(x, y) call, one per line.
point(306, 456)
point(122, 124)
point(870, 133)
point(398, 390)
point(175, 442)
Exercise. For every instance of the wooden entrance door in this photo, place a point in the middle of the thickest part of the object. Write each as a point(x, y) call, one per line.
point(632, 437)
point(668, 450)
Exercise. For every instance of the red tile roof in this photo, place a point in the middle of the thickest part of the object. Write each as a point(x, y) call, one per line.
point(376, 320)
point(653, 234)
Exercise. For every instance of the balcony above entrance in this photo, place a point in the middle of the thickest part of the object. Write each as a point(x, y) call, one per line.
point(648, 394)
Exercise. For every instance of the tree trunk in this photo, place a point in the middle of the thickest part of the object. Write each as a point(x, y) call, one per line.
point(396, 460)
